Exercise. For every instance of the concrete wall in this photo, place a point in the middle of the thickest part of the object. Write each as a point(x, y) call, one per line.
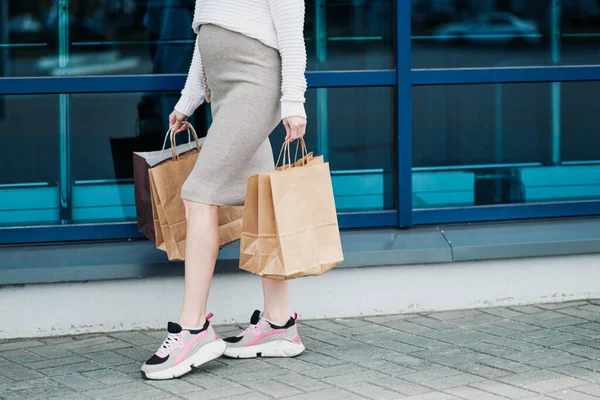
point(71, 308)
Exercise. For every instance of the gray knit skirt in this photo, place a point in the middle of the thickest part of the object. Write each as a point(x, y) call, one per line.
point(244, 77)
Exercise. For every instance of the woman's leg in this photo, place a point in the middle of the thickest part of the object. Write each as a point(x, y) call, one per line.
point(193, 342)
point(202, 247)
point(277, 301)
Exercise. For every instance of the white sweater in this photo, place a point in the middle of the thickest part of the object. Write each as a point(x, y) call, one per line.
point(276, 23)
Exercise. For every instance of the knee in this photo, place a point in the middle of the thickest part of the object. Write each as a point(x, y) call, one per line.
point(193, 209)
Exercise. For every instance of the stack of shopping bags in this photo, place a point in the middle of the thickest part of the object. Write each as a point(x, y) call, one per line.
point(159, 176)
point(288, 227)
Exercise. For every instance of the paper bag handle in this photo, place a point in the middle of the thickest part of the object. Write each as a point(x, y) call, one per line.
point(301, 143)
point(174, 144)
point(285, 151)
point(167, 136)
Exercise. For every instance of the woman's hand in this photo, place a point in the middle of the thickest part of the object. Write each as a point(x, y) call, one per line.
point(295, 128)
point(177, 121)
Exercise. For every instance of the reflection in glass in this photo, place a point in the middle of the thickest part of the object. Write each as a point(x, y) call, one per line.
point(132, 37)
point(502, 33)
point(355, 130)
point(343, 35)
point(155, 37)
point(29, 187)
point(28, 36)
point(114, 127)
point(502, 144)
point(94, 178)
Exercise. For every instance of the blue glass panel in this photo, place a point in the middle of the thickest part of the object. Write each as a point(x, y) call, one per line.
point(354, 129)
point(30, 156)
point(81, 171)
point(477, 145)
point(155, 37)
point(28, 37)
point(343, 34)
point(130, 37)
point(500, 33)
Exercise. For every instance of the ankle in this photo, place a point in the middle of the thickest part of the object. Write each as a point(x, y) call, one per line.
point(192, 323)
point(276, 319)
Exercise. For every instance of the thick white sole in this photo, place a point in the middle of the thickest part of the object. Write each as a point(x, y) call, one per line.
point(205, 354)
point(278, 348)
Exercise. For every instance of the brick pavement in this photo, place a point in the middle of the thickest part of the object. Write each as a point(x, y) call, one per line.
point(549, 351)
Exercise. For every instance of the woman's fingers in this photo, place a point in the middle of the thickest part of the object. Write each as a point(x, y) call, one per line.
point(175, 126)
point(295, 133)
point(288, 129)
point(177, 121)
point(302, 131)
point(180, 125)
point(184, 125)
point(295, 128)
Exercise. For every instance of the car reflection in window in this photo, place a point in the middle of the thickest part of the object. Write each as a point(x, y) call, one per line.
point(491, 28)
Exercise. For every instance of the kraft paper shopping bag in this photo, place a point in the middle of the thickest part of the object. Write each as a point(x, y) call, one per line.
point(265, 240)
point(167, 178)
point(142, 162)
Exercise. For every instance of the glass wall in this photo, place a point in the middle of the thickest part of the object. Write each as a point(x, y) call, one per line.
point(31, 159)
point(74, 166)
point(500, 33)
point(102, 37)
point(497, 144)
point(485, 129)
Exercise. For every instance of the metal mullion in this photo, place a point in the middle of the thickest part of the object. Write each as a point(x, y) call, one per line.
point(174, 82)
point(404, 112)
point(466, 76)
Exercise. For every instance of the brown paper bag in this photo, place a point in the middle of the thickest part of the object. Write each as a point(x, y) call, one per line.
point(145, 211)
point(306, 219)
point(159, 239)
point(249, 246)
point(230, 224)
point(168, 178)
point(142, 162)
point(260, 247)
point(163, 230)
point(273, 266)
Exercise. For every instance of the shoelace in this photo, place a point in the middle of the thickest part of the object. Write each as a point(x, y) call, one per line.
point(171, 339)
point(252, 329)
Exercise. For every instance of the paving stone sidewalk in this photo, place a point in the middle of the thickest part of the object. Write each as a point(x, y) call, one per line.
point(548, 351)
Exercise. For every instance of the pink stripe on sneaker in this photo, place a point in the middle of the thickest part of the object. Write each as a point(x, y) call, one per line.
point(264, 336)
point(189, 346)
point(297, 339)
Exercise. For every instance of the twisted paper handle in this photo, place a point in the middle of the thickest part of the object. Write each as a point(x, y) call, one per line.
point(174, 142)
point(285, 151)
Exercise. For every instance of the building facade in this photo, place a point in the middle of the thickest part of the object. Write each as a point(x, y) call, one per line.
point(429, 111)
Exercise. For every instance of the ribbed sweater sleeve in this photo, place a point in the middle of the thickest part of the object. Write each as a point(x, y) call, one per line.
point(288, 18)
point(192, 95)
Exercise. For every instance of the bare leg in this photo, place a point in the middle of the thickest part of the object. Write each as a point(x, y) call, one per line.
point(202, 247)
point(277, 301)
